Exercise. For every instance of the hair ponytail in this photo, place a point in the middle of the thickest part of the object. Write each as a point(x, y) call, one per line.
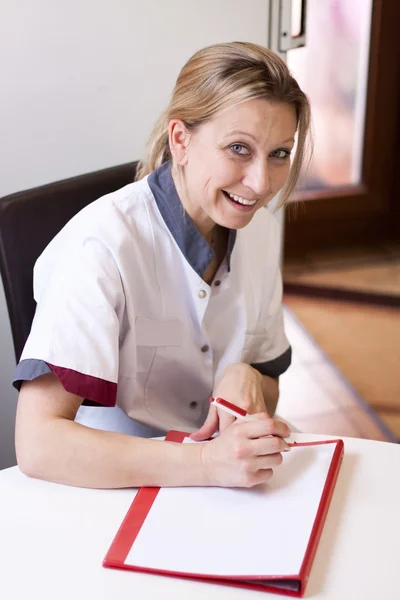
point(157, 149)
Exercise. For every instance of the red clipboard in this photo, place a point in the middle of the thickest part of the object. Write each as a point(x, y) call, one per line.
point(288, 584)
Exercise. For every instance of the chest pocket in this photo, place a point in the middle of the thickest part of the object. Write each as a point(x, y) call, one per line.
point(152, 334)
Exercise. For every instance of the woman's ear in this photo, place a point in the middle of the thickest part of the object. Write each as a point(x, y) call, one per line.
point(179, 139)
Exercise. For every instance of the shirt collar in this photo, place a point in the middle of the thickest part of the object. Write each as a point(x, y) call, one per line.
point(194, 247)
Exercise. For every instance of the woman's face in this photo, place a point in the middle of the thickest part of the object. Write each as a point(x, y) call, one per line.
point(236, 163)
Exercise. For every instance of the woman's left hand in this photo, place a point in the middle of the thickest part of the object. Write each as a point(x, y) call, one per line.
point(241, 384)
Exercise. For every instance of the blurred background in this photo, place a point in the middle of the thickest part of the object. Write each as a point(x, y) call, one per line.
point(333, 69)
point(342, 237)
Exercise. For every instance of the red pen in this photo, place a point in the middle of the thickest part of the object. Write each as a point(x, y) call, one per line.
point(239, 413)
point(232, 409)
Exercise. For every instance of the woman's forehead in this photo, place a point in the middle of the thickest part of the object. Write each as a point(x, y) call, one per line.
point(258, 118)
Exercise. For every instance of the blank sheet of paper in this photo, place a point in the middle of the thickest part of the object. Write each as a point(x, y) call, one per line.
point(237, 532)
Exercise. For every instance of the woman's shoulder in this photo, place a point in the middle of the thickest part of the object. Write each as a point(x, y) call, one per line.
point(109, 224)
point(115, 209)
point(108, 217)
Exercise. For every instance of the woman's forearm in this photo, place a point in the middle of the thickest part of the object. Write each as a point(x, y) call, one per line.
point(270, 389)
point(51, 445)
point(69, 453)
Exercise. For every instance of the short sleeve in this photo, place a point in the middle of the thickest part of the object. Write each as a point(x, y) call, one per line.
point(76, 327)
point(28, 370)
point(268, 350)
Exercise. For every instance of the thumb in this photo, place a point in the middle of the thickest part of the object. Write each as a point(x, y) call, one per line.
point(209, 427)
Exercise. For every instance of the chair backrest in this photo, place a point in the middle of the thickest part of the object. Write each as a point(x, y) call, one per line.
point(28, 222)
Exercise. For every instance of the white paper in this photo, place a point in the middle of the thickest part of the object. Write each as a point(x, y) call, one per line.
point(237, 532)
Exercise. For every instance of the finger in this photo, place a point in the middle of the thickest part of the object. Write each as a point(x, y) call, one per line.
point(265, 415)
point(286, 426)
point(225, 420)
point(264, 425)
point(271, 461)
point(268, 445)
point(209, 427)
point(262, 476)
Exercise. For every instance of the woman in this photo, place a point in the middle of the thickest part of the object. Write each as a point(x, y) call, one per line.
point(168, 291)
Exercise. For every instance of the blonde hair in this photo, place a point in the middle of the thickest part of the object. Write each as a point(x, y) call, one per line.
point(220, 76)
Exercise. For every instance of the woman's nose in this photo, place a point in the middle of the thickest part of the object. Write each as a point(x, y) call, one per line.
point(257, 178)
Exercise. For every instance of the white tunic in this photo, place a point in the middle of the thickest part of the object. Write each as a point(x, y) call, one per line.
point(124, 319)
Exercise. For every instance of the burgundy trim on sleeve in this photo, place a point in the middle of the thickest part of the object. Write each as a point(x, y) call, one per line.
point(92, 388)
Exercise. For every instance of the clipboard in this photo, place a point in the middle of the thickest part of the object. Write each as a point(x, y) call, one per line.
point(263, 538)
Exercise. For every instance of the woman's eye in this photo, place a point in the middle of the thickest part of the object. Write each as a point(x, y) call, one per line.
point(239, 149)
point(281, 153)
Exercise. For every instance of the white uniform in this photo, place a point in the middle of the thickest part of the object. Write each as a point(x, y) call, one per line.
point(124, 317)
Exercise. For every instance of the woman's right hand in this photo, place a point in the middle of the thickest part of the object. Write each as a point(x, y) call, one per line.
point(246, 453)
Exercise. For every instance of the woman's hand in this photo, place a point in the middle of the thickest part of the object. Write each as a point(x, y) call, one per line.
point(241, 384)
point(243, 455)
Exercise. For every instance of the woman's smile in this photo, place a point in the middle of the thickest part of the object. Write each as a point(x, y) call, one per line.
point(238, 202)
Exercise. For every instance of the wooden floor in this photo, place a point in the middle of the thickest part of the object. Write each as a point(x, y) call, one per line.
point(364, 269)
point(315, 398)
point(349, 301)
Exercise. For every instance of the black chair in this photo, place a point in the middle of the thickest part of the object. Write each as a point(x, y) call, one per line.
point(28, 222)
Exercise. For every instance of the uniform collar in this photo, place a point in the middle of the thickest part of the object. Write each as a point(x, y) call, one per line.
point(194, 247)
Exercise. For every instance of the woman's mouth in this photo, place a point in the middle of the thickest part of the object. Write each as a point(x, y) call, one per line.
point(238, 202)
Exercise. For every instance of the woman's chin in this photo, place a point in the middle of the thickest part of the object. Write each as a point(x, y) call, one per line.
point(234, 221)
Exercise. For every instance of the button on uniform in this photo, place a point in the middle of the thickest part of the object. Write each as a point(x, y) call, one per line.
point(202, 294)
point(205, 348)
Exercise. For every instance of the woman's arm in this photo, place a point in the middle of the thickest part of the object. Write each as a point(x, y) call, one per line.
point(270, 390)
point(243, 385)
point(50, 445)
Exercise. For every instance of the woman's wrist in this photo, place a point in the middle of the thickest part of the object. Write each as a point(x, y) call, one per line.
point(270, 390)
point(242, 370)
point(187, 465)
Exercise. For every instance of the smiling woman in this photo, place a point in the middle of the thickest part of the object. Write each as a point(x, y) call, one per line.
point(168, 291)
point(223, 76)
point(223, 179)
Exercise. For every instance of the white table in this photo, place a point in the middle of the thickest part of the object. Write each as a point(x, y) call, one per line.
point(53, 539)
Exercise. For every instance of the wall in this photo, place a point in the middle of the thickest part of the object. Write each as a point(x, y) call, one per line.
point(86, 80)
point(83, 83)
